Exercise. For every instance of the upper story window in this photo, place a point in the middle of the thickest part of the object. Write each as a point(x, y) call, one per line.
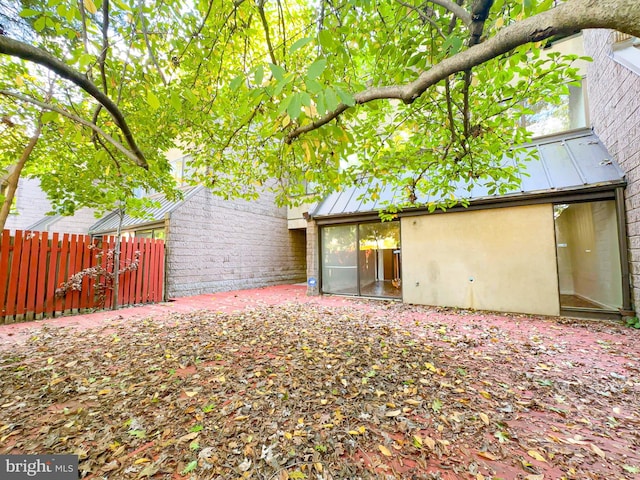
point(181, 170)
point(626, 51)
point(548, 119)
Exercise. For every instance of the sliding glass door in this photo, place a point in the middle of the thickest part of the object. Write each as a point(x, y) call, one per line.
point(588, 255)
point(362, 259)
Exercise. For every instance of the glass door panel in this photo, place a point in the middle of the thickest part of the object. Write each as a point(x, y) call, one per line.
point(339, 259)
point(588, 255)
point(379, 259)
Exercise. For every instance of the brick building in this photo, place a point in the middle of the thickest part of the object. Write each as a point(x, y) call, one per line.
point(30, 209)
point(613, 80)
point(215, 245)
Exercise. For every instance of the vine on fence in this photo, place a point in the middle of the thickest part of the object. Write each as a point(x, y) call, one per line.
point(102, 275)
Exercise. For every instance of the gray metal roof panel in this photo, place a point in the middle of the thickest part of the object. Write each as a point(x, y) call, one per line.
point(109, 223)
point(536, 176)
point(343, 201)
point(560, 166)
point(325, 206)
point(43, 224)
point(571, 161)
point(595, 161)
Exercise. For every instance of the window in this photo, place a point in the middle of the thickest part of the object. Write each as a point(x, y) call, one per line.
point(155, 233)
point(626, 51)
point(548, 119)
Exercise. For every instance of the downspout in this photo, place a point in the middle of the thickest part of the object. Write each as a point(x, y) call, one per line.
point(627, 304)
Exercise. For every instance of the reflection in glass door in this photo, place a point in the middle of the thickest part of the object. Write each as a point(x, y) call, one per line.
point(362, 259)
point(339, 260)
point(379, 259)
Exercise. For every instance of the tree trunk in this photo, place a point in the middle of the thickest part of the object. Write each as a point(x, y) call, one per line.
point(116, 261)
point(14, 176)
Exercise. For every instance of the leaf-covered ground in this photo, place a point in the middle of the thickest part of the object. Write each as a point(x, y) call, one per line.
point(367, 390)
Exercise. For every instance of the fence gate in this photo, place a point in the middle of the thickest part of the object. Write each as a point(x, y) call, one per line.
point(48, 275)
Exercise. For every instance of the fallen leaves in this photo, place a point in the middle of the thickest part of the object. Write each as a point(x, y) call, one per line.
point(385, 451)
point(305, 391)
point(537, 456)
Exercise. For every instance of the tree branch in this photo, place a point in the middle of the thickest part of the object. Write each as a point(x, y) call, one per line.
point(75, 118)
point(479, 14)
point(27, 52)
point(103, 57)
point(456, 9)
point(145, 34)
point(423, 16)
point(569, 17)
point(265, 25)
point(83, 14)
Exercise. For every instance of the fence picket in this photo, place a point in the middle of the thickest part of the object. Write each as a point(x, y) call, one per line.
point(23, 278)
point(154, 292)
point(123, 291)
point(32, 274)
point(61, 301)
point(133, 273)
point(5, 248)
point(54, 260)
point(147, 287)
point(86, 263)
point(142, 263)
point(42, 273)
point(14, 273)
point(108, 295)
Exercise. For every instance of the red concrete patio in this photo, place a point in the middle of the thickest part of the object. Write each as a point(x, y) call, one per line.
point(499, 395)
point(224, 302)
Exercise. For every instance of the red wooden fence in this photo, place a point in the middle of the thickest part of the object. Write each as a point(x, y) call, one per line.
point(33, 265)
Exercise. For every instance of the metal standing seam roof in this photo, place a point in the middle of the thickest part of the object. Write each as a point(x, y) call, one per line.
point(569, 162)
point(43, 224)
point(109, 223)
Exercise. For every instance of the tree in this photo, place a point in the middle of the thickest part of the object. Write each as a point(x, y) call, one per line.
point(77, 140)
point(418, 95)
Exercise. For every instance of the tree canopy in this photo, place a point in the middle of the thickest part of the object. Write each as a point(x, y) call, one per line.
point(416, 94)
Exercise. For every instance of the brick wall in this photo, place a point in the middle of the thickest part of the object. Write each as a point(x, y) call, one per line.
point(31, 205)
point(218, 245)
point(614, 107)
point(80, 222)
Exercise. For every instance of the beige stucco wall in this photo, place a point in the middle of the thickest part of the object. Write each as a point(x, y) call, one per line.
point(501, 259)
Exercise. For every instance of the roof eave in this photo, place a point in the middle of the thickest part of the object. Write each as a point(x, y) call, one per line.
point(551, 196)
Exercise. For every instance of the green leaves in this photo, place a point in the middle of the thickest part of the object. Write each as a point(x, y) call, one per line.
point(453, 44)
point(298, 44)
point(316, 69)
point(191, 466)
point(152, 100)
point(277, 71)
point(217, 88)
